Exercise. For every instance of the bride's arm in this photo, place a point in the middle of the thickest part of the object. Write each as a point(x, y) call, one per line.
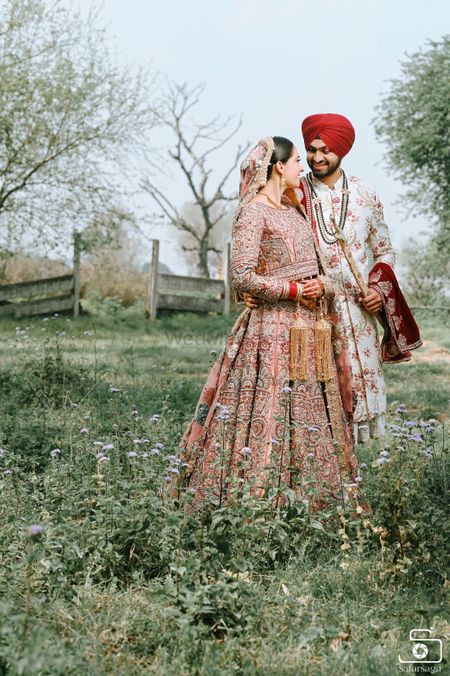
point(247, 233)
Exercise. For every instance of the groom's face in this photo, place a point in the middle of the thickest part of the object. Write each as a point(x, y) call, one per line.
point(321, 160)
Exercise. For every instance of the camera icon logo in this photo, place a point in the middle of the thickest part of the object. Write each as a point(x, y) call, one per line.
point(424, 650)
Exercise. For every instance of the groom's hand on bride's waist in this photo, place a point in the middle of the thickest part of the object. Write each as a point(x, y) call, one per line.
point(251, 301)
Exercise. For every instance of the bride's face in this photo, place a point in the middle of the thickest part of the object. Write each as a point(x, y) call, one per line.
point(293, 170)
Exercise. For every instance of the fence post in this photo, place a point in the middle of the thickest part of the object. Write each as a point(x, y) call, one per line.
point(76, 273)
point(153, 281)
point(226, 278)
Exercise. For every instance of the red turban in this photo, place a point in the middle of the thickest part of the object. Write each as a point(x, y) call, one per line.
point(334, 130)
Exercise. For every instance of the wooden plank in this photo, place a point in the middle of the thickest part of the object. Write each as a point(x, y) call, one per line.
point(214, 287)
point(45, 306)
point(76, 273)
point(38, 287)
point(168, 301)
point(153, 282)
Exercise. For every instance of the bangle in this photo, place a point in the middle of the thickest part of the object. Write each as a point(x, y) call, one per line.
point(285, 292)
point(293, 290)
point(299, 291)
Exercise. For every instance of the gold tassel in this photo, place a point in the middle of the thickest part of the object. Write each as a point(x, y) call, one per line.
point(298, 351)
point(324, 350)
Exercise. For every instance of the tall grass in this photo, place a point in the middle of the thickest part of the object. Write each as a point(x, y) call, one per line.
point(104, 572)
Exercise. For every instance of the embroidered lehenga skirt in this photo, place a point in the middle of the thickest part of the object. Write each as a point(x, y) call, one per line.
point(253, 422)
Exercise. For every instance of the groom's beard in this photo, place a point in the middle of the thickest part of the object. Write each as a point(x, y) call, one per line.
point(324, 168)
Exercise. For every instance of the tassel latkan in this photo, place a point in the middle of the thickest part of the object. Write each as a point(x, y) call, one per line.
point(324, 350)
point(298, 353)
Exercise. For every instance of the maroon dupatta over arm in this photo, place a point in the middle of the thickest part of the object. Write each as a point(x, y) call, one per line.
point(401, 333)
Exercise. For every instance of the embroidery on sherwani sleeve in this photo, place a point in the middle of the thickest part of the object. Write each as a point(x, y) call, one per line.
point(379, 239)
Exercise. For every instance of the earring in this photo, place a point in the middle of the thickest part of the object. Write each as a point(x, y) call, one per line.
point(283, 182)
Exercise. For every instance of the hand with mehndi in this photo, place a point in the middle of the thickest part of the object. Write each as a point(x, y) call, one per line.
point(313, 288)
point(253, 303)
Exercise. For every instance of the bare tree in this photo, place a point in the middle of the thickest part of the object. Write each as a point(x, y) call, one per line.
point(193, 146)
point(219, 236)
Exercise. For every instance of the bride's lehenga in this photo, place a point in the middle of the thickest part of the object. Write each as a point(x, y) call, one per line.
point(305, 430)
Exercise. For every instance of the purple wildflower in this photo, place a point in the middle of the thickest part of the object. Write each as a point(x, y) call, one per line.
point(84, 430)
point(55, 452)
point(132, 454)
point(35, 531)
point(396, 428)
point(224, 413)
point(286, 389)
point(415, 437)
point(108, 447)
point(381, 460)
point(155, 451)
point(115, 390)
point(246, 451)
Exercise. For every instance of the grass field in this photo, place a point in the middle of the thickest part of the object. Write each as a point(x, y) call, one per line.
point(115, 579)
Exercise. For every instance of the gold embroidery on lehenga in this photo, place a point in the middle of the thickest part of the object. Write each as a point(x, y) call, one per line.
point(257, 365)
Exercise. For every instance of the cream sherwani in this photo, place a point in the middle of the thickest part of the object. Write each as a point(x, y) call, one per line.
point(369, 240)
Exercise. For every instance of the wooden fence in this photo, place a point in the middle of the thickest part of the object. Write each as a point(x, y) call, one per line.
point(44, 296)
point(194, 294)
point(165, 291)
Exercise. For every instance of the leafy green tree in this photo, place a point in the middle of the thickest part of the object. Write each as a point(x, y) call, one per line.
point(413, 119)
point(70, 117)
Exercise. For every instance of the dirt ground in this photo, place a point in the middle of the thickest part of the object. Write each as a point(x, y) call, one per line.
point(431, 352)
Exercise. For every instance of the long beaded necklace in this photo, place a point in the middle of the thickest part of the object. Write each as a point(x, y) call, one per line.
point(328, 234)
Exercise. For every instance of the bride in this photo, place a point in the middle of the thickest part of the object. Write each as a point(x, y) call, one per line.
point(279, 395)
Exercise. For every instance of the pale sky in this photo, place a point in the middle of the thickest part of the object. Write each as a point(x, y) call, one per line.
point(277, 62)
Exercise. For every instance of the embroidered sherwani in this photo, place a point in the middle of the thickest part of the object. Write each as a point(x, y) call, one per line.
point(369, 240)
point(305, 431)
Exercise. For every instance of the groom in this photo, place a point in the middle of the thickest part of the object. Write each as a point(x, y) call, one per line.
point(330, 196)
